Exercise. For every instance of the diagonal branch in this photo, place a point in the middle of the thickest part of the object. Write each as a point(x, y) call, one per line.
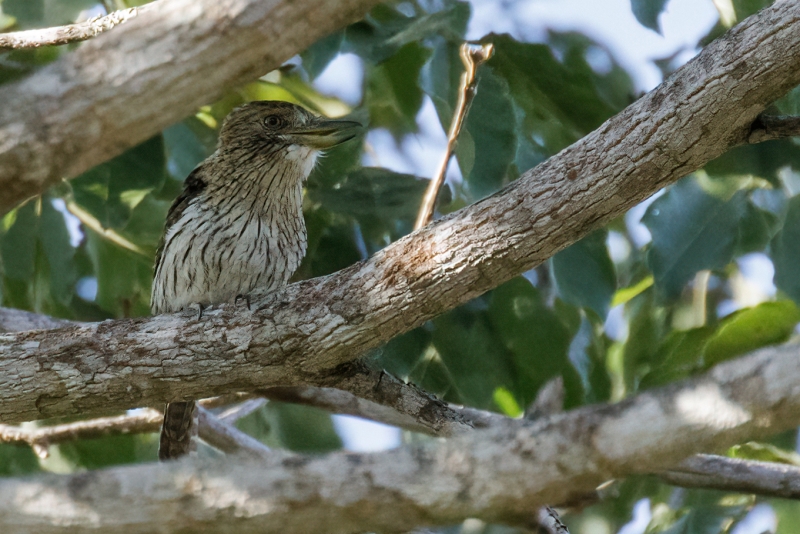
point(301, 334)
point(71, 33)
point(125, 86)
point(501, 474)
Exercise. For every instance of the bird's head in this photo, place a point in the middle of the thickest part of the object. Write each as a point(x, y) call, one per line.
point(269, 125)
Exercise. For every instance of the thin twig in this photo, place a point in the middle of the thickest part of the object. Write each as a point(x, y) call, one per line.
point(769, 127)
point(234, 413)
point(220, 401)
point(734, 474)
point(472, 56)
point(40, 439)
point(227, 438)
point(71, 33)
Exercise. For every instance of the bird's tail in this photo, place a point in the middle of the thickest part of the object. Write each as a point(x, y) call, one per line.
point(178, 430)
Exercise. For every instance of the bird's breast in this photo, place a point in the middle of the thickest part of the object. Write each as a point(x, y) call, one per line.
point(212, 256)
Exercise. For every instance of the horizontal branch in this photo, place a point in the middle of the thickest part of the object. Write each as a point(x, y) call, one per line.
point(218, 432)
point(127, 85)
point(302, 334)
point(733, 474)
point(502, 474)
point(71, 33)
point(40, 439)
point(769, 127)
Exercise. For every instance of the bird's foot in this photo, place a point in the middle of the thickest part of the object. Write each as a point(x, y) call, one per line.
point(245, 298)
point(199, 307)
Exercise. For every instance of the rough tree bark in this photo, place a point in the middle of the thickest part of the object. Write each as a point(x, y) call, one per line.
point(501, 474)
point(303, 333)
point(129, 84)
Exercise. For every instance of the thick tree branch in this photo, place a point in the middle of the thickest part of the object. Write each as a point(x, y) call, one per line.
point(72, 33)
point(501, 474)
point(125, 86)
point(732, 474)
point(306, 331)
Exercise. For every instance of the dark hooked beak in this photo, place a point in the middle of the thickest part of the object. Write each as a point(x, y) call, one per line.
point(326, 133)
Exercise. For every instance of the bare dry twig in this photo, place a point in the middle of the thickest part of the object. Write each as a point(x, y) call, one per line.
point(71, 33)
point(472, 56)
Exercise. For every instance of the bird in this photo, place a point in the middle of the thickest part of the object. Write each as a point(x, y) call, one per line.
point(238, 224)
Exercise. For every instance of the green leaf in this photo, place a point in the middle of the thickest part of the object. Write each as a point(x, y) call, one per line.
point(785, 252)
point(60, 255)
point(375, 192)
point(645, 331)
point(303, 428)
point(19, 243)
point(187, 144)
point(403, 353)
point(29, 13)
point(295, 427)
point(647, 12)
point(16, 460)
point(764, 452)
point(625, 294)
point(703, 519)
point(756, 228)
point(476, 363)
point(679, 356)
point(762, 160)
point(752, 328)
point(38, 259)
point(109, 450)
point(440, 79)
point(584, 274)
point(489, 147)
point(536, 338)
point(587, 352)
point(561, 100)
point(385, 29)
point(111, 190)
point(692, 230)
point(334, 251)
point(317, 56)
point(505, 400)
point(393, 96)
point(123, 277)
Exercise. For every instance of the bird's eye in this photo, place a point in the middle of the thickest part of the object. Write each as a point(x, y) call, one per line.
point(273, 121)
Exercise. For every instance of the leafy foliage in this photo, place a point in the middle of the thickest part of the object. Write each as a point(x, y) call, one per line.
point(607, 315)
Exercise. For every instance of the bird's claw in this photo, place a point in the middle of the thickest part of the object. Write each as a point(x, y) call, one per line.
point(246, 298)
point(200, 309)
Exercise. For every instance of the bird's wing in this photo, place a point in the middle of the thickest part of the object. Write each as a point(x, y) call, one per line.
point(192, 187)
